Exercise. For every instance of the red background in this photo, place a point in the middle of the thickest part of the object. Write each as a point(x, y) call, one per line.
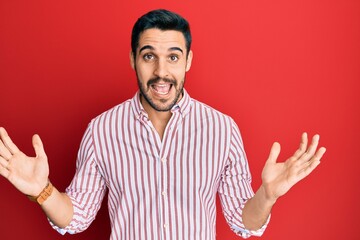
point(277, 67)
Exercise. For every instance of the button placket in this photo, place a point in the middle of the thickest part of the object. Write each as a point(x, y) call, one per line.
point(163, 194)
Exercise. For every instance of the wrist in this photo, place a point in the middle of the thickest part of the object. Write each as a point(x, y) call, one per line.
point(43, 195)
point(268, 198)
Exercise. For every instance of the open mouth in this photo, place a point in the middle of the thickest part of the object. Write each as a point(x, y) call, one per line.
point(161, 88)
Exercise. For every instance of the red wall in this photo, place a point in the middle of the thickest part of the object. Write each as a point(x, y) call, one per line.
point(277, 67)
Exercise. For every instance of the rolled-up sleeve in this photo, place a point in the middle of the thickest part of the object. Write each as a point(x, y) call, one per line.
point(86, 190)
point(235, 187)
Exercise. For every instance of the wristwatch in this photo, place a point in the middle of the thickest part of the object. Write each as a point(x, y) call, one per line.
point(45, 193)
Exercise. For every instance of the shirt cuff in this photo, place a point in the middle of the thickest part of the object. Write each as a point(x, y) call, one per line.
point(245, 233)
point(62, 231)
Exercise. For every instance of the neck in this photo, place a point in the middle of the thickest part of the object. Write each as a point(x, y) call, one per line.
point(159, 119)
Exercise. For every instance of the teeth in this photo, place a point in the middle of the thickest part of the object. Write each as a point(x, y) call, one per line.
point(161, 89)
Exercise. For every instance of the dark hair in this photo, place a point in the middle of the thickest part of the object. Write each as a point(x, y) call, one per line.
point(161, 19)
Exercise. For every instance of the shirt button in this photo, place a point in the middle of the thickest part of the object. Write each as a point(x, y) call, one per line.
point(163, 160)
point(165, 225)
point(163, 193)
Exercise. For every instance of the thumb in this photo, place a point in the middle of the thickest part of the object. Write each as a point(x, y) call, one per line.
point(274, 152)
point(38, 146)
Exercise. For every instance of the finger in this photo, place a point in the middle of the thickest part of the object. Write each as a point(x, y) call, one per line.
point(314, 144)
point(274, 153)
point(311, 150)
point(318, 155)
point(8, 142)
point(38, 146)
point(3, 167)
point(3, 162)
point(303, 145)
point(4, 152)
point(4, 172)
point(311, 167)
point(313, 163)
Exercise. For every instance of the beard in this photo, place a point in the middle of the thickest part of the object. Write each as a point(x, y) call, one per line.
point(163, 107)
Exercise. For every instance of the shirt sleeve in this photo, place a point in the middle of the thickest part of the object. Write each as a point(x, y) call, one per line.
point(86, 190)
point(235, 187)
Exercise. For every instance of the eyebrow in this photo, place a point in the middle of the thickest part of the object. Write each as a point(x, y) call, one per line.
point(146, 47)
point(176, 49)
point(152, 48)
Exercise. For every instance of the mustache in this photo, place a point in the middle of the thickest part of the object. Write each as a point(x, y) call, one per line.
point(158, 79)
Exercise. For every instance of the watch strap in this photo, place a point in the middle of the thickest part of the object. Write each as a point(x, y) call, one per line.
point(45, 193)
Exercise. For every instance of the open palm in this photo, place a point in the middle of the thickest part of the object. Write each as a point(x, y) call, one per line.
point(28, 174)
point(278, 177)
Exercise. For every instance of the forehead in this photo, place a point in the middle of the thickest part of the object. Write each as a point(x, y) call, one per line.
point(160, 39)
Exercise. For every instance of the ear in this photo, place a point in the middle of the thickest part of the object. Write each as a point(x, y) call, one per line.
point(188, 61)
point(132, 60)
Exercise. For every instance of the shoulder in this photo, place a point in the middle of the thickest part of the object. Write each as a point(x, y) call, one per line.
point(114, 114)
point(199, 107)
point(203, 113)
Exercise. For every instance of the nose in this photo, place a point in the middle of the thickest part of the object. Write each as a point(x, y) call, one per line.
point(161, 69)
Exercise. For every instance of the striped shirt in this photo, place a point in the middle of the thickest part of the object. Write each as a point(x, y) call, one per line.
point(161, 188)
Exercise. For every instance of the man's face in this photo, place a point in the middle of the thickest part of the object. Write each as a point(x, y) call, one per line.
point(160, 64)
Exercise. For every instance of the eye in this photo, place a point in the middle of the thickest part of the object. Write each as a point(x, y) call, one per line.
point(174, 58)
point(148, 57)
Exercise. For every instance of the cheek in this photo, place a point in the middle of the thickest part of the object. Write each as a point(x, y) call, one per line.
point(180, 75)
point(144, 72)
point(178, 72)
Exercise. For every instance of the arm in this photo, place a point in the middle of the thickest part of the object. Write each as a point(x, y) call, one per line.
point(278, 178)
point(30, 176)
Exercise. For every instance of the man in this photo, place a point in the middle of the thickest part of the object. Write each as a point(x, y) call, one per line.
point(161, 155)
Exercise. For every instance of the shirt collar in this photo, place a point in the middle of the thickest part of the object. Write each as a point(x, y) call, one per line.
point(183, 106)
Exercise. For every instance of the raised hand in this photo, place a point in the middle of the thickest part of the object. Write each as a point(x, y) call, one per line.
point(278, 178)
point(28, 174)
